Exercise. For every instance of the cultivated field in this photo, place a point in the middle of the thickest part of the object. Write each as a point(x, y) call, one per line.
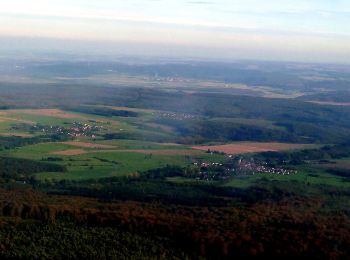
point(249, 147)
point(57, 113)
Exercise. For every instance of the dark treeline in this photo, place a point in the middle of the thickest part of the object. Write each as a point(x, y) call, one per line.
point(139, 190)
point(328, 152)
point(199, 131)
point(103, 111)
point(146, 186)
point(10, 142)
point(22, 169)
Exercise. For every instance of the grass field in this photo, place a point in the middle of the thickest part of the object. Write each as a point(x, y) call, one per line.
point(101, 165)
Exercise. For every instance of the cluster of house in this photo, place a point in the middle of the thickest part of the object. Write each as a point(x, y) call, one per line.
point(204, 164)
point(77, 130)
point(174, 115)
point(213, 171)
point(244, 166)
point(237, 166)
point(170, 79)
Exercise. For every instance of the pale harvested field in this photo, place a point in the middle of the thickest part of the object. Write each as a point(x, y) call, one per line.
point(6, 119)
point(345, 104)
point(250, 147)
point(89, 145)
point(58, 113)
point(70, 152)
point(345, 165)
point(169, 144)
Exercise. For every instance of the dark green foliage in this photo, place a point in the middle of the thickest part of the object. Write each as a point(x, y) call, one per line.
point(11, 142)
point(103, 111)
point(198, 131)
point(53, 159)
point(139, 190)
point(67, 240)
point(22, 169)
point(340, 172)
point(298, 157)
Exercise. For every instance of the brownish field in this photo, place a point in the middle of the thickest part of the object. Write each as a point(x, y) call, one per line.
point(164, 128)
point(169, 144)
point(89, 145)
point(344, 165)
point(16, 134)
point(58, 113)
point(70, 152)
point(250, 147)
point(28, 122)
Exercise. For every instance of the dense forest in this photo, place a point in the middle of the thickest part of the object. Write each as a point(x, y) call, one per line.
point(225, 232)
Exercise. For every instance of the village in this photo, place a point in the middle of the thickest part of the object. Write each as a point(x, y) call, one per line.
point(235, 166)
point(77, 129)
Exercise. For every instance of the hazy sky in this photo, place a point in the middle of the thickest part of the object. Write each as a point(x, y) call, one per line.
point(309, 30)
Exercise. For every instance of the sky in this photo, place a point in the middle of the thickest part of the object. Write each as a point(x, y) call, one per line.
point(301, 30)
